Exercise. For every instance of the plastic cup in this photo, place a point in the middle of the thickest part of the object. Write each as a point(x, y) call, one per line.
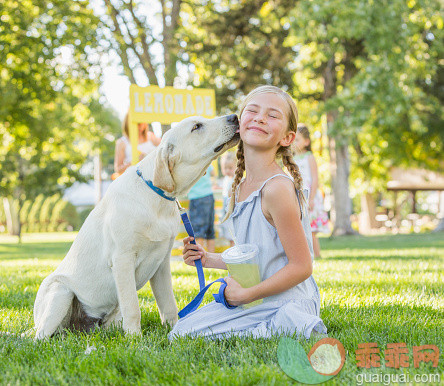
point(243, 267)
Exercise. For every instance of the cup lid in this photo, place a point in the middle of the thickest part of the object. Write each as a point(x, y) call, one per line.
point(239, 253)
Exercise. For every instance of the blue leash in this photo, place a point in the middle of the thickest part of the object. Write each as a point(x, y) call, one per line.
point(195, 303)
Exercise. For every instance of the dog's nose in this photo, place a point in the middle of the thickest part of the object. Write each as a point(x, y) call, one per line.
point(232, 119)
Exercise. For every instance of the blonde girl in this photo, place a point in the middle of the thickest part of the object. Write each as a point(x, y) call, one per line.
point(266, 209)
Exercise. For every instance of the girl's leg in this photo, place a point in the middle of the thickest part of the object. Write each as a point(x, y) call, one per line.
point(316, 246)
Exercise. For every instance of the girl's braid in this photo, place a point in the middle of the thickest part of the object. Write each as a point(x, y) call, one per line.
point(238, 174)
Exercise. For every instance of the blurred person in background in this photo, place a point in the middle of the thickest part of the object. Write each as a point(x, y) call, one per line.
point(201, 210)
point(123, 153)
point(304, 158)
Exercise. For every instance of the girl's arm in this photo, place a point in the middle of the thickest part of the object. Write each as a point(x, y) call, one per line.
point(193, 252)
point(119, 157)
point(152, 137)
point(314, 177)
point(281, 208)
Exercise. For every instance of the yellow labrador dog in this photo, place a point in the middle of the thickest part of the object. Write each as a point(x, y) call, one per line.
point(127, 239)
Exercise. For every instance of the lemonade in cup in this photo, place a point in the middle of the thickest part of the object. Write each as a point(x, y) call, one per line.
point(243, 267)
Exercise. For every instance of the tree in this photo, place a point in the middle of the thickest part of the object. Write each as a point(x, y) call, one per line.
point(49, 75)
point(369, 84)
point(235, 46)
point(138, 40)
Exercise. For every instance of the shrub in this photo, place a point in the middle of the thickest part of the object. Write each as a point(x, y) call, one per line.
point(64, 217)
point(24, 215)
point(2, 217)
point(84, 214)
point(46, 212)
point(34, 214)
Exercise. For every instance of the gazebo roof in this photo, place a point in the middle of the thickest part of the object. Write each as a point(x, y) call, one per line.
point(415, 179)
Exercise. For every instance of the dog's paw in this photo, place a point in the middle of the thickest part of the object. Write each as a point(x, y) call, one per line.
point(132, 330)
point(169, 320)
point(40, 335)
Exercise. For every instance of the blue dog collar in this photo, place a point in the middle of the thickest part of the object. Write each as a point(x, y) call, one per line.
point(159, 191)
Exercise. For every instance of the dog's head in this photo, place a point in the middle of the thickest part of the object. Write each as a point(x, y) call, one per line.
point(187, 150)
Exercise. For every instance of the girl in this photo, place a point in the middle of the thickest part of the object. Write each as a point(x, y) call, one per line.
point(265, 209)
point(147, 143)
point(306, 162)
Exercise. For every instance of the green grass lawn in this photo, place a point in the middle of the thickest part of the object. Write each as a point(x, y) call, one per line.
point(385, 289)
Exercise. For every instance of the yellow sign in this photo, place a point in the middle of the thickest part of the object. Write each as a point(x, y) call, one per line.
point(166, 105)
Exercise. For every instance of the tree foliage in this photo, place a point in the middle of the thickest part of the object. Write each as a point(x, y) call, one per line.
point(49, 104)
point(235, 46)
point(144, 38)
point(386, 92)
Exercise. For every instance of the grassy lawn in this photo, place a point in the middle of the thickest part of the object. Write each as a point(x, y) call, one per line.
point(384, 289)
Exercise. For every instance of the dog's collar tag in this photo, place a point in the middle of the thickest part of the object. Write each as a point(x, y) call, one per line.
point(159, 191)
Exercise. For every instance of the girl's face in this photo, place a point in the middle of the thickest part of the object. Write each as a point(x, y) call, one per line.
point(228, 168)
point(300, 142)
point(264, 122)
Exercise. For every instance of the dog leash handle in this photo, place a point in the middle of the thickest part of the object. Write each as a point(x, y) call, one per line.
point(198, 262)
point(195, 303)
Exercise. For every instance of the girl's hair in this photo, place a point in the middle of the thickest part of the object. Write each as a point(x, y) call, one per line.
point(125, 128)
point(284, 152)
point(303, 130)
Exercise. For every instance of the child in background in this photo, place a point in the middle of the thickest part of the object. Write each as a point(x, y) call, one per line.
point(266, 209)
point(147, 143)
point(201, 210)
point(228, 166)
point(306, 162)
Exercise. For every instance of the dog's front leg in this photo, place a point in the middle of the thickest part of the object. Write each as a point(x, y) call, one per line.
point(124, 277)
point(162, 287)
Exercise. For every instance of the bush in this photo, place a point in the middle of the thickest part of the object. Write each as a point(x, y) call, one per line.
point(24, 215)
point(64, 217)
point(84, 214)
point(2, 217)
point(46, 212)
point(34, 214)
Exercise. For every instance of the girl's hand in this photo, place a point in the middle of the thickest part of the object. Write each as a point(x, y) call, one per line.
point(235, 294)
point(193, 252)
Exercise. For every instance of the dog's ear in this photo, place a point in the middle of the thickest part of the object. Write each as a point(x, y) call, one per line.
point(166, 159)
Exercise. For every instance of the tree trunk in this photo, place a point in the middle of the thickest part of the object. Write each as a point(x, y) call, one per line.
point(340, 170)
point(367, 217)
point(339, 160)
point(12, 217)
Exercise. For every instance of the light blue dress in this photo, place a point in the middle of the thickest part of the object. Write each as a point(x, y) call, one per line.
point(294, 310)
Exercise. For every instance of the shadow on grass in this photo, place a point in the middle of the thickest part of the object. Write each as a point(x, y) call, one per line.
point(41, 251)
point(417, 240)
point(375, 257)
